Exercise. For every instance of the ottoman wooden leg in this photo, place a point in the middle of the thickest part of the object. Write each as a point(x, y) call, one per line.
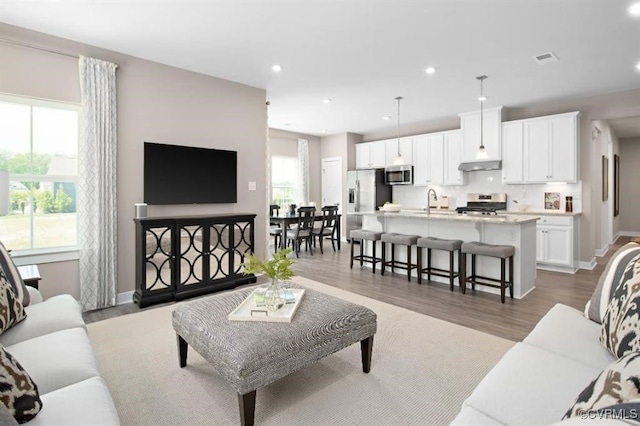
point(366, 347)
point(182, 351)
point(247, 404)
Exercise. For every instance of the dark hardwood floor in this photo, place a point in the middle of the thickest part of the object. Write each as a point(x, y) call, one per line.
point(512, 320)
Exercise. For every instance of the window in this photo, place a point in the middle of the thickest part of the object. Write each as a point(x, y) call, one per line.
point(38, 174)
point(284, 180)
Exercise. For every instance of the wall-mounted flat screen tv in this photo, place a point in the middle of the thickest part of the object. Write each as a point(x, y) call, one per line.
point(176, 174)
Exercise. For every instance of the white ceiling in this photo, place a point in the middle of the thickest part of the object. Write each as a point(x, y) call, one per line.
point(364, 53)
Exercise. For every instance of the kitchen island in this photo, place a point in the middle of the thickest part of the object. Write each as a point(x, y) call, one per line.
point(504, 229)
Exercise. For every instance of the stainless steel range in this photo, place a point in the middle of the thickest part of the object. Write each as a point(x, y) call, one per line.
point(484, 204)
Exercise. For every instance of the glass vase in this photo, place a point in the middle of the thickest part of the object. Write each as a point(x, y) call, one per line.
point(273, 297)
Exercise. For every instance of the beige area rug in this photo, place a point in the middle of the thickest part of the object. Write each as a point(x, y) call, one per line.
point(422, 370)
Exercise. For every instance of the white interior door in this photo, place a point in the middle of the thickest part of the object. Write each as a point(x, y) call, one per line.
point(332, 182)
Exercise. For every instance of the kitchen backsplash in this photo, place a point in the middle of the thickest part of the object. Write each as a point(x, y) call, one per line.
point(489, 181)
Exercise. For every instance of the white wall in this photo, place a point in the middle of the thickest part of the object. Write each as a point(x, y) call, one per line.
point(155, 103)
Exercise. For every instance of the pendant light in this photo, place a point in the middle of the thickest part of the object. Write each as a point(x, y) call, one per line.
point(398, 161)
point(482, 152)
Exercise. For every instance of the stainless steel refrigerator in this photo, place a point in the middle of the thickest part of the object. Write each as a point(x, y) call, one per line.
point(366, 191)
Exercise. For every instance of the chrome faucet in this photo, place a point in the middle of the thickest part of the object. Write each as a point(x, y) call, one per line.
point(435, 197)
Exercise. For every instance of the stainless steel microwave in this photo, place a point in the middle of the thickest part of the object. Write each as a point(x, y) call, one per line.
point(399, 175)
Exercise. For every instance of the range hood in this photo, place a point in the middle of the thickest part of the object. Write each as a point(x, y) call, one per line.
point(473, 166)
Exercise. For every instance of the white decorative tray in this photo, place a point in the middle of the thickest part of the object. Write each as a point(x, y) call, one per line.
point(250, 311)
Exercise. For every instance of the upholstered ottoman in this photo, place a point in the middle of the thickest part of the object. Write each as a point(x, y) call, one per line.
point(254, 354)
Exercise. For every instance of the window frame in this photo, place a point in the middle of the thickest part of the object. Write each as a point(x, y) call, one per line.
point(44, 254)
point(295, 181)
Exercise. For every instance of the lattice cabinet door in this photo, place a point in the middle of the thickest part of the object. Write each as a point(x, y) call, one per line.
point(219, 251)
point(242, 244)
point(154, 262)
point(192, 249)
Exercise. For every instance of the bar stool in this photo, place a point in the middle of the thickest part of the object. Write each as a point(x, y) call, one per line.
point(362, 236)
point(393, 239)
point(481, 249)
point(432, 243)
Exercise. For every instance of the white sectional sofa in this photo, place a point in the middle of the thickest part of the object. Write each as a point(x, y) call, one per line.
point(539, 379)
point(589, 359)
point(53, 347)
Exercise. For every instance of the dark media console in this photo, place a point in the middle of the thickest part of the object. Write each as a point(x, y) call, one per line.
point(182, 257)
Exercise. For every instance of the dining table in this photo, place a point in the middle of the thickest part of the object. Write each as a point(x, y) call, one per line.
point(284, 220)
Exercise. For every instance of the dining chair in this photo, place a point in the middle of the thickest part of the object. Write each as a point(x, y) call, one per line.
point(304, 230)
point(328, 226)
point(274, 228)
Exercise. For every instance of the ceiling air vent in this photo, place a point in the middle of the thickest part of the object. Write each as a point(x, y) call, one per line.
point(545, 58)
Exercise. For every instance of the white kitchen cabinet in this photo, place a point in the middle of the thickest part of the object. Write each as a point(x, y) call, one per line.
point(512, 146)
point(452, 158)
point(428, 164)
point(370, 155)
point(436, 157)
point(550, 148)
point(492, 133)
point(556, 242)
point(406, 150)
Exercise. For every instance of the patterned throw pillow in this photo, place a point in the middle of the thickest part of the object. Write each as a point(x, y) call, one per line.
point(620, 332)
point(609, 280)
point(18, 392)
point(11, 310)
point(13, 276)
point(618, 384)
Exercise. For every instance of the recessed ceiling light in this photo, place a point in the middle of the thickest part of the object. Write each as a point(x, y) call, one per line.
point(386, 117)
point(326, 101)
point(276, 68)
point(634, 9)
point(638, 66)
point(482, 98)
point(430, 70)
point(324, 130)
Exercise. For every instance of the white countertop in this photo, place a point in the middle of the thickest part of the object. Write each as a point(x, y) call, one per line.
point(450, 215)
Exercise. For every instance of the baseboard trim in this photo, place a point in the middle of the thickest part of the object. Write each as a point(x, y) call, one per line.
point(124, 298)
point(628, 234)
point(601, 252)
point(590, 266)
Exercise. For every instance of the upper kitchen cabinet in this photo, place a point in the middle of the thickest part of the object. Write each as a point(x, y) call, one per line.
point(550, 148)
point(512, 146)
point(371, 155)
point(405, 149)
point(491, 133)
point(428, 154)
point(436, 157)
point(452, 158)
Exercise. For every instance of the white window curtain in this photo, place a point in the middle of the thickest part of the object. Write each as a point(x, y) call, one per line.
point(303, 171)
point(267, 177)
point(97, 209)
